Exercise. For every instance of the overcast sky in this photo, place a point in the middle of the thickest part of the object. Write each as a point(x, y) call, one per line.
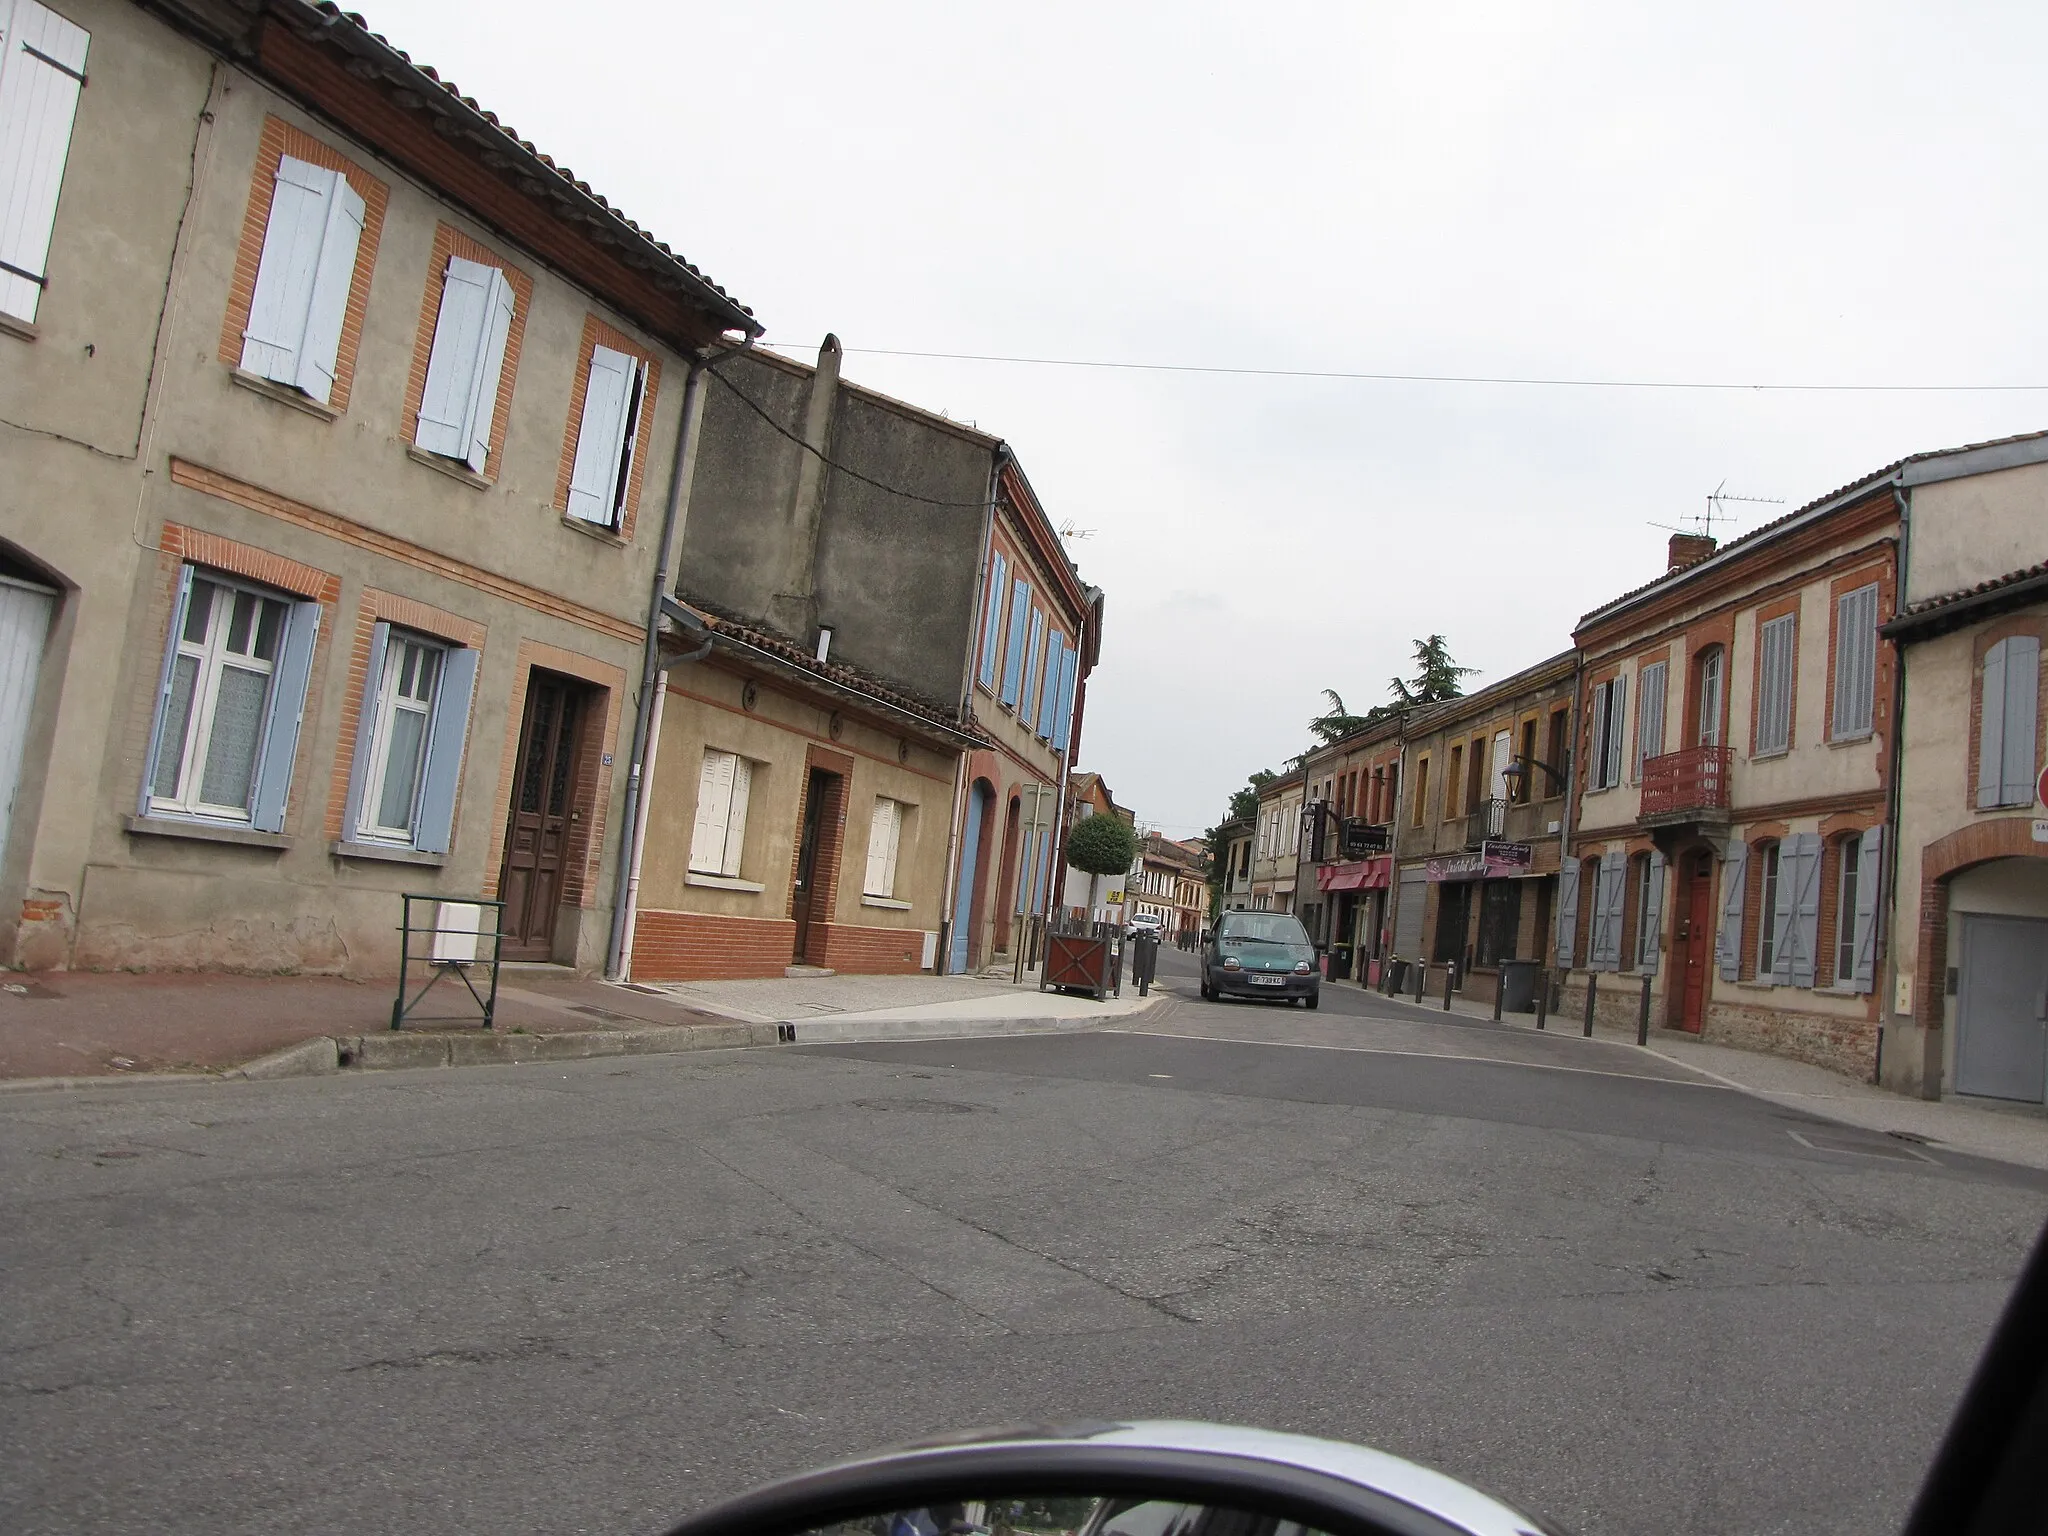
point(1833, 194)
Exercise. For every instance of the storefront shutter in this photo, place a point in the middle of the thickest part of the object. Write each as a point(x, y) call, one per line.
point(38, 100)
point(285, 713)
point(1567, 913)
point(1869, 880)
point(1728, 937)
point(1411, 897)
point(442, 779)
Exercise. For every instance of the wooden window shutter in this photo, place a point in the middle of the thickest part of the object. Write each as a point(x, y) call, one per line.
point(286, 712)
point(601, 437)
point(442, 779)
point(714, 807)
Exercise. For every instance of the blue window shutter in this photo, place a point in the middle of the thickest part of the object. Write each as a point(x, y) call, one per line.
point(2022, 692)
point(1013, 657)
point(366, 730)
point(1055, 671)
point(992, 618)
point(163, 687)
point(1650, 942)
point(1034, 654)
point(1063, 721)
point(1869, 880)
point(287, 709)
point(444, 751)
point(1567, 913)
point(1805, 928)
point(1728, 937)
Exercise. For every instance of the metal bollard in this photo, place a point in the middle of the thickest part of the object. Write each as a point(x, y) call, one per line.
point(1643, 1016)
point(1421, 978)
point(1450, 980)
point(1542, 997)
point(1592, 991)
point(1500, 987)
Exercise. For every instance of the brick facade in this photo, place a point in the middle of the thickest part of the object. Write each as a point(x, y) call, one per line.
point(699, 946)
point(868, 951)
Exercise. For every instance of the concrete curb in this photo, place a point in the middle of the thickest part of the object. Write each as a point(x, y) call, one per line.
point(404, 1050)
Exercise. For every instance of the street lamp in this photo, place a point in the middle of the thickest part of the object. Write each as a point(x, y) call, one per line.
point(1516, 769)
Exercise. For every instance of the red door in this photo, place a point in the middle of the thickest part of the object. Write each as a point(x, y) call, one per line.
point(1694, 944)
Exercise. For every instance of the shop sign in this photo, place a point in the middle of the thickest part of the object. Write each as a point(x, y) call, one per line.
point(1458, 866)
point(1505, 857)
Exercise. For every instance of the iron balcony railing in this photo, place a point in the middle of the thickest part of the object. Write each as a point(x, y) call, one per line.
point(1695, 779)
point(1487, 819)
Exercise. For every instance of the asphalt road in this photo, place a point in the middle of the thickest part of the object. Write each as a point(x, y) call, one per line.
point(592, 1297)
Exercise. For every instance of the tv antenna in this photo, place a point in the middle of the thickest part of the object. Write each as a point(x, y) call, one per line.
point(1702, 523)
point(1070, 530)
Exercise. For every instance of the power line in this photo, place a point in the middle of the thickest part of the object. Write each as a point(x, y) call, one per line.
point(826, 459)
point(1532, 381)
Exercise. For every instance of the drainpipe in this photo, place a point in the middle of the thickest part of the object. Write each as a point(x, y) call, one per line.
point(622, 968)
point(1887, 909)
point(626, 890)
point(1571, 800)
point(949, 898)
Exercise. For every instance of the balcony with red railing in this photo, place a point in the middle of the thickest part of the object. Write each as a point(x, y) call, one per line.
point(1686, 784)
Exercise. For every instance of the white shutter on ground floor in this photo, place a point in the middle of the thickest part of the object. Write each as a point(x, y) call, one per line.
point(885, 829)
point(24, 626)
point(714, 806)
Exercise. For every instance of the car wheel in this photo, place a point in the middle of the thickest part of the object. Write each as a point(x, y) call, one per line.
point(1313, 1000)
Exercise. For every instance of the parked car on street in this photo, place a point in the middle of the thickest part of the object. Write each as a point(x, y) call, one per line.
point(1262, 955)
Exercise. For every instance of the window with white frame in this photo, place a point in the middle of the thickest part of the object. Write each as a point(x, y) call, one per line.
point(721, 830)
point(42, 71)
point(607, 437)
point(885, 839)
point(460, 400)
point(1855, 663)
point(1768, 936)
point(1777, 658)
point(410, 732)
point(2008, 714)
point(1609, 728)
point(303, 278)
point(1710, 666)
point(1650, 691)
point(228, 707)
point(1848, 883)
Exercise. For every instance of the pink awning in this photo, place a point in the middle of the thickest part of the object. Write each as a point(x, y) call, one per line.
point(1360, 875)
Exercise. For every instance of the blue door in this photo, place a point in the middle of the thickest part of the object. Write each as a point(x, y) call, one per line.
point(963, 894)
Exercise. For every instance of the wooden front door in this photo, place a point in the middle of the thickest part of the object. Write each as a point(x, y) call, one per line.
point(544, 812)
point(811, 900)
point(1692, 946)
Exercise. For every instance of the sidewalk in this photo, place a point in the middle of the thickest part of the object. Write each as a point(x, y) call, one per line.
point(84, 1025)
point(2015, 1134)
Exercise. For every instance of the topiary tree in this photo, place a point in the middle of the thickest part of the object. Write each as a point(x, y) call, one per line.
point(1102, 845)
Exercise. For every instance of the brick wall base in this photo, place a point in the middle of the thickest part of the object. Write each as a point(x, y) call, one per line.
point(697, 946)
point(1848, 1046)
point(872, 951)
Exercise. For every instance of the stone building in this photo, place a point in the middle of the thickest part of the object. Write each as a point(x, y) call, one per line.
point(1276, 849)
point(343, 445)
point(1346, 850)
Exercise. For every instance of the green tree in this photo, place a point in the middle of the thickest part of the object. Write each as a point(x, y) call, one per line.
point(1335, 722)
point(1437, 677)
point(1244, 804)
point(1102, 845)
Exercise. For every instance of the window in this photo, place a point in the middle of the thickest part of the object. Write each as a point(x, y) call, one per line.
point(42, 70)
point(303, 278)
point(721, 828)
point(1768, 937)
point(1560, 739)
point(885, 836)
point(1847, 882)
point(1034, 660)
point(1421, 789)
point(460, 401)
point(1709, 696)
point(409, 739)
point(1610, 701)
point(2008, 712)
point(227, 716)
point(1855, 662)
point(1776, 655)
point(607, 437)
point(992, 617)
point(1054, 688)
point(1452, 781)
point(1650, 713)
point(1013, 656)
point(1524, 787)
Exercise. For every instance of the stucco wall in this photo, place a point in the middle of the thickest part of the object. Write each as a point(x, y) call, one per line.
point(1967, 530)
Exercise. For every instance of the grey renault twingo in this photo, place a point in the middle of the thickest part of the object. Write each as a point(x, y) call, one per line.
point(1261, 954)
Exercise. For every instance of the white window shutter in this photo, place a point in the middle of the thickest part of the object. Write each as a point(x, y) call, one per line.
point(2022, 704)
point(284, 717)
point(1991, 729)
point(1869, 878)
point(1650, 941)
point(327, 307)
point(42, 70)
point(490, 364)
point(366, 731)
point(880, 880)
point(736, 816)
point(438, 785)
point(714, 803)
point(1804, 929)
point(1567, 913)
point(601, 439)
point(1728, 937)
point(299, 203)
point(451, 365)
point(895, 846)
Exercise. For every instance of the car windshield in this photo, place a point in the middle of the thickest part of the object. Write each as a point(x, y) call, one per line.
point(1263, 928)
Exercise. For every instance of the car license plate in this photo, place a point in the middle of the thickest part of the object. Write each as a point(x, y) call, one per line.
point(1269, 981)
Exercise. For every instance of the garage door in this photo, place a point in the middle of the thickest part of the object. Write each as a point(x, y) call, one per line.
point(1409, 902)
point(2002, 1008)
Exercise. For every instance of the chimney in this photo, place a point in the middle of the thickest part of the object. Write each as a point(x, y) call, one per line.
point(1688, 549)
